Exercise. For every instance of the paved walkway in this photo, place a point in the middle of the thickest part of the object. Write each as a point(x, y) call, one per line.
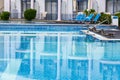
point(116, 34)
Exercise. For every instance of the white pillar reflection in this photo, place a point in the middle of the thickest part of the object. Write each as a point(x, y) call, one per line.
point(89, 55)
point(31, 56)
point(6, 46)
point(58, 57)
point(12, 47)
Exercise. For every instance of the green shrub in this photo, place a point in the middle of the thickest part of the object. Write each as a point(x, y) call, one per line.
point(92, 11)
point(104, 17)
point(0, 15)
point(88, 12)
point(5, 15)
point(30, 14)
point(118, 14)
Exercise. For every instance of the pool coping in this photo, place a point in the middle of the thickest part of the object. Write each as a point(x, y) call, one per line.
point(109, 62)
point(84, 25)
point(100, 37)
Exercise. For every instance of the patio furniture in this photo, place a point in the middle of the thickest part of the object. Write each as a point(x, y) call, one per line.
point(96, 18)
point(89, 18)
point(81, 17)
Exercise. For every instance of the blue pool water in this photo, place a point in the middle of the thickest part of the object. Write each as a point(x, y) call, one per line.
point(56, 52)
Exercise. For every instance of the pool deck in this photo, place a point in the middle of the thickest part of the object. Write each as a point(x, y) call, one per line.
point(116, 36)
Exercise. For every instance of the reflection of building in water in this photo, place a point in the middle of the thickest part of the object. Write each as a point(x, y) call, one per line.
point(79, 47)
point(78, 66)
point(112, 50)
point(23, 52)
point(110, 64)
point(50, 44)
point(51, 57)
point(110, 70)
point(78, 69)
point(59, 56)
point(49, 67)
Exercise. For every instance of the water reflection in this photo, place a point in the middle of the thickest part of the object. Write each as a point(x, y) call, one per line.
point(74, 57)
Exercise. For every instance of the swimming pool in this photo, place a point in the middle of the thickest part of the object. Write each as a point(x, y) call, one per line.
point(56, 52)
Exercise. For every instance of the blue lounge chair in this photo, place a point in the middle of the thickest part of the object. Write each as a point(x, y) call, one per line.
point(83, 16)
point(89, 18)
point(96, 18)
point(78, 17)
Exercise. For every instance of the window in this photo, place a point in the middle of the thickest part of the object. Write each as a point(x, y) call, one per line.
point(82, 5)
point(117, 6)
point(25, 4)
point(112, 6)
point(51, 9)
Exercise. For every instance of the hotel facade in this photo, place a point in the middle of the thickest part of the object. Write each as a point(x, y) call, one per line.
point(57, 9)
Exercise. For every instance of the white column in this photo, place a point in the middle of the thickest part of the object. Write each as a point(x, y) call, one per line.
point(103, 7)
point(59, 10)
point(89, 4)
point(74, 5)
point(41, 8)
point(32, 4)
point(18, 5)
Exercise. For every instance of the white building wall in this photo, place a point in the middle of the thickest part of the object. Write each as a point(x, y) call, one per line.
point(7, 5)
point(15, 8)
point(12, 5)
point(100, 4)
point(70, 8)
point(67, 9)
point(40, 7)
point(64, 9)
